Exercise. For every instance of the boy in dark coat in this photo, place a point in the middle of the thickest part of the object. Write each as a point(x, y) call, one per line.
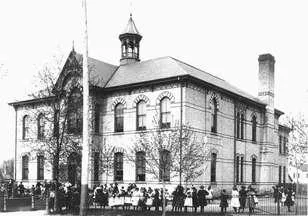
point(243, 197)
point(202, 197)
point(223, 201)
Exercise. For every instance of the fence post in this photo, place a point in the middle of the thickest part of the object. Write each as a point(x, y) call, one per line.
point(32, 202)
point(278, 206)
point(47, 202)
point(4, 203)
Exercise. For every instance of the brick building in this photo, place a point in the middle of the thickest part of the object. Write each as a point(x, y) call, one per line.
point(242, 130)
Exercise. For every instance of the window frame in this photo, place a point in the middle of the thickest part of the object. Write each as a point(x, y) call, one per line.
point(165, 114)
point(25, 167)
point(253, 170)
point(142, 115)
point(119, 118)
point(118, 167)
point(97, 118)
point(40, 127)
point(25, 127)
point(254, 129)
point(213, 167)
point(40, 167)
point(164, 164)
point(96, 164)
point(75, 114)
point(214, 114)
point(140, 164)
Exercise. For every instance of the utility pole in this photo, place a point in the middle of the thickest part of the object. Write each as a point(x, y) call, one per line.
point(85, 126)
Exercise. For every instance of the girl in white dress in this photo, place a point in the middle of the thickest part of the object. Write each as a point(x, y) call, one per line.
point(188, 200)
point(235, 202)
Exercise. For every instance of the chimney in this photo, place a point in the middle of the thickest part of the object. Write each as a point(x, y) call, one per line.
point(266, 79)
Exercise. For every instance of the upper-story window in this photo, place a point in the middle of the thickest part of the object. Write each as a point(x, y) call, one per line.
point(242, 125)
point(74, 118)
point(96, 118)
point(40, 126)
point(25, 127)
point(141, 115)
point(254, 128)
point(165, 114)
point(238, 124)
point(119, 118)
point(214, 116)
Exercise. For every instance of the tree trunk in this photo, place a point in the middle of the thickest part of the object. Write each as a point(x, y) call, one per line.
point(164, 198)
point(55, 175)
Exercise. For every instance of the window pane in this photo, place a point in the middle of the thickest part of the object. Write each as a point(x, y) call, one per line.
point(25, 167)
point(118, 166)
point(119, 109)
point(253, 170)
point(96, 166)
point(140, 166)
point(213, 167)
point(164, 164)
point(40, 167)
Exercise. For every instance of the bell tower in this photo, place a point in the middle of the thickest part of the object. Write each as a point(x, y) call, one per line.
point(130, 40)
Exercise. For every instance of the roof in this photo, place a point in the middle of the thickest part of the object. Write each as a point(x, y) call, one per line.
point(167, 67)
point(100, 71)
point(130, 27)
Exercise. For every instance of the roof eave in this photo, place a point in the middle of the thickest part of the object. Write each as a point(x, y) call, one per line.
point(32, 101)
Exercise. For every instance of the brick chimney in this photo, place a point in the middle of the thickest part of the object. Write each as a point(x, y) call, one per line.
point(266, 79)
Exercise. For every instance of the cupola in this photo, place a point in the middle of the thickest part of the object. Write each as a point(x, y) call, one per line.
point(130, 40)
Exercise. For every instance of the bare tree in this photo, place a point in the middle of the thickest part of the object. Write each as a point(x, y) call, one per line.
point(162, 148)
point(58, 142)
point(298, 140)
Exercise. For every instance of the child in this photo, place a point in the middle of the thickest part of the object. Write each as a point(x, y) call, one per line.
point(223, 201)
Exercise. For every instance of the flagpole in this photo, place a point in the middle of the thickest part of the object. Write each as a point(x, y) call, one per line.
point(85, 126)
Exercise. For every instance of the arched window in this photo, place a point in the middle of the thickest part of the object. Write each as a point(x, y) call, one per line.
point(40, 126)
point(119, 118)
point(165, 114)
point(214, 117)
point(242, 125)
point(253, 170)
point(74, 118)
point(25, 127)
point(213, 166)
point(141, 115)
point(164, 165)
point(25, 167)
point(118, 166)
point(96, 166)
point(140, 166)
point(40, 167)
point(254, 128)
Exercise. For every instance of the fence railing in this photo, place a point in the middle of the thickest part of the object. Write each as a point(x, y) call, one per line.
point(265, 205)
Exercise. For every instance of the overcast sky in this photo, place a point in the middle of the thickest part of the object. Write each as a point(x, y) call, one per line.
point(223, 38)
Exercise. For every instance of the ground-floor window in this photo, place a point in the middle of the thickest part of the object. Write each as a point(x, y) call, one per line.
point(164, 165)
point(118, 166)
point(40, 167)
point(25, 167)
point(253, 170)
point(213, 167)
point(96, 166)
point(140, 166)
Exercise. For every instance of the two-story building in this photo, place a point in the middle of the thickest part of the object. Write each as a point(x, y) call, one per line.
point(242, 130)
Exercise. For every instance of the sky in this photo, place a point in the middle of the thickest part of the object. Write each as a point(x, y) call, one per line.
point(221, 37)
